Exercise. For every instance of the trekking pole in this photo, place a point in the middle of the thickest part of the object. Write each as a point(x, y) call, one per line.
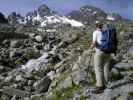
point(89, 65)
point(89, 71)
point(90, 58)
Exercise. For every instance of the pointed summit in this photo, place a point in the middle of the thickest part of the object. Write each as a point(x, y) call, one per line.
point(44, 10)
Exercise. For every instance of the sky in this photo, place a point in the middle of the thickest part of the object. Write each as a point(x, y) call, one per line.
point(123, 7)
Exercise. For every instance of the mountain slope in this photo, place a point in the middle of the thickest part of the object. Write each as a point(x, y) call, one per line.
point(56, 62)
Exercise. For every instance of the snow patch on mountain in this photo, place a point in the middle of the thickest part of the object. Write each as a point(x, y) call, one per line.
point(35, 64)
point(54, 19)
point(72, 22)
point(110, 17)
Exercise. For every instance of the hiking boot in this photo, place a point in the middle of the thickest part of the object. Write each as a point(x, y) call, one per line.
point(98, 90)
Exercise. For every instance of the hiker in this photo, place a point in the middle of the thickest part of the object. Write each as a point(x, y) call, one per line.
point(104, 45)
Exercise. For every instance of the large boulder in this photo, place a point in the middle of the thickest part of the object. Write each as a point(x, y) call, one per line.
point(38, 38)
point(14, 92)
point(130, 53)
point(42, 85)
point(85, 61)
point(80, 77)
point(67, 82)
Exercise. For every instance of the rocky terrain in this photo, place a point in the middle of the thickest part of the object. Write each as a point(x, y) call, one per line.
point(45, 56)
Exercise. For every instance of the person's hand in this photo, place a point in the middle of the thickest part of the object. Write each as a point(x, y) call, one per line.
point(91, 50)
point(93, 45)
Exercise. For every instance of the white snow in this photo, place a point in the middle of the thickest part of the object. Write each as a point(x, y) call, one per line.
point(38, 38)
point(51, 75)
point(63, 20)
point(35, 64)
point(21, 21)
point(50, 30)
point(110, 17)
point(94, 13)
point(28, 18)
point(55, 19)
point(43, 23)
point(37, 18)
point(41, 29)
point(72, 22)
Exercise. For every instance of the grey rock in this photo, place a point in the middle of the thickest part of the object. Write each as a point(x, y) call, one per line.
point(84, 61)
point(107, 95)
point(15, 44)
point(1, 69)
point(130, 52)
point(119, 83)
point(35, 96)
point(14, 86)
point(53, 84)
point(8, 79)
point(5, 97)
point(123, 96)
point(15, 72)
point(26, 98)
point(115, 71)
point(1, 77)
point(30, 82)
point(118, 92)
point(19, 78)
point(38, 38)
point(11, 92)
point(29, 76)
point(51, 75)
point(123, 66)
point(42, 85)
point(66, 83)
point(80, 76)
point(16, 53)
point(130, 62)
point(28, 88)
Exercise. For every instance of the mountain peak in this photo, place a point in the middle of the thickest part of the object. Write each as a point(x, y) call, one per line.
point(2, 18)
point(44, 10)
point(87, 14)
point(43, 16)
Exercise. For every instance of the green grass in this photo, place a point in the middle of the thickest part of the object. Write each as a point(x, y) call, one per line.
point(82, 97)
point(116, 77)
point(130, 73)
point(93, 78)
point(1, 98)
point(64, 93)
point(130, 93)
point(39, 98)
point(130, 56)
point(115, 97)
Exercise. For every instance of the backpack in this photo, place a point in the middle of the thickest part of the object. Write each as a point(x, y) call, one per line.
point(109, 40)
